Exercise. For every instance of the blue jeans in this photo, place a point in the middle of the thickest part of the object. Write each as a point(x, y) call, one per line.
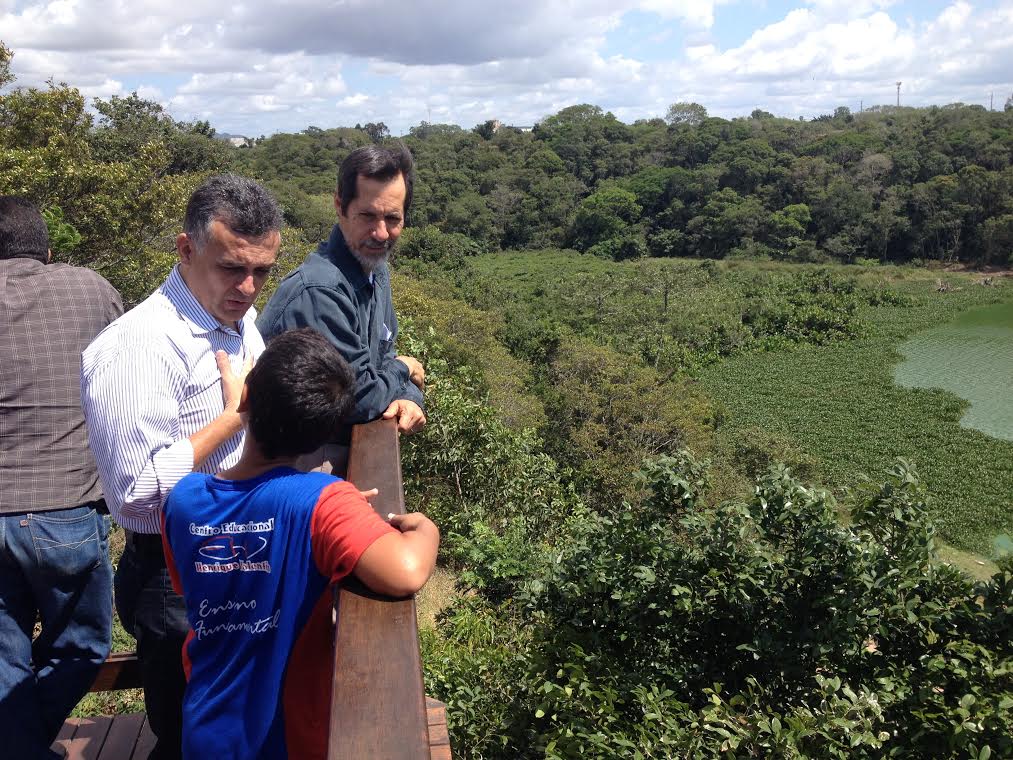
point(54, 565)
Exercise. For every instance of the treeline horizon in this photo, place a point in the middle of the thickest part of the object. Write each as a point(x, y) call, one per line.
point(890, 184)
point(380, 128)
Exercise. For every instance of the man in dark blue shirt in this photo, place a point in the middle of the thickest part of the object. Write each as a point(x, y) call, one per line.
point(343, 290)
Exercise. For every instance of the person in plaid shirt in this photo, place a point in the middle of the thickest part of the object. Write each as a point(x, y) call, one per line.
point(54, 555)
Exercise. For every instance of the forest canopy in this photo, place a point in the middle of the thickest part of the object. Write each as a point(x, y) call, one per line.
point(889, 184)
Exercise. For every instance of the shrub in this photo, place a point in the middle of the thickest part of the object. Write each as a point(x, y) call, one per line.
point(760, 629)
point(430, 245)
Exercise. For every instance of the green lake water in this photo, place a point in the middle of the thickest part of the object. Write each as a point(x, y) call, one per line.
point(971, 357)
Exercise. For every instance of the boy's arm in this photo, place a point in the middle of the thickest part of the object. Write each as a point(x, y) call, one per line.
point(399, 564)
point(394, 559)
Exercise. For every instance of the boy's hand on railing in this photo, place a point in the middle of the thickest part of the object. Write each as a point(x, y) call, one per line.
point(412, 521)
point(399, 564)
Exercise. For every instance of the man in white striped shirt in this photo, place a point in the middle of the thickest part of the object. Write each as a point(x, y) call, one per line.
point(159, 389)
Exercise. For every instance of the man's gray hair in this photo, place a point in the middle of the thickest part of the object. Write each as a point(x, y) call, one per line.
point(242, 205)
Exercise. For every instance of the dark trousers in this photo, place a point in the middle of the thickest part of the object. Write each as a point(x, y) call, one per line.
point(156, 615)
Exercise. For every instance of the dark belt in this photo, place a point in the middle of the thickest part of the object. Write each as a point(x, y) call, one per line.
point(145, 545)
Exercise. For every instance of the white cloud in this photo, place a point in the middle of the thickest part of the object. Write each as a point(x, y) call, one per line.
point(104, 89)
point(848, 8)
point(255, 67)
point(695, 12)
point(354, 101)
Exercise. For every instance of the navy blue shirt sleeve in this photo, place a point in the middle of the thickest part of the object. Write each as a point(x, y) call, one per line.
point(332, 312)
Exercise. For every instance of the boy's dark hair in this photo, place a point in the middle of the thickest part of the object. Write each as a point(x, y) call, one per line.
point(298, 393)
point(376, 162)
point(23, 231)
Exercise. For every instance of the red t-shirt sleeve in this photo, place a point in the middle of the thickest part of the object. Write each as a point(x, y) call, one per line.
point(170, 561)
point(177, 586)
point(342, 528)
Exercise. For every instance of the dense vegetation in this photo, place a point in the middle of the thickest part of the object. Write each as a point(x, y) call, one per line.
point(892, 184)
point(774, 362)
point(641, 573)
point(677, 624)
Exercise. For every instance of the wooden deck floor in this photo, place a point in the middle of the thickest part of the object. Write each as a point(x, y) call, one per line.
point(127, 737)
point(117, 737)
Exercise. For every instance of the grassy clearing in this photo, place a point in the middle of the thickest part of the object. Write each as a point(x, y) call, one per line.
point(971, 563)
point(839, 404)
point(436, 595)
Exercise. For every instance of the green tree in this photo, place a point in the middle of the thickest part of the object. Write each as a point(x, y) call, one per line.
point(724, 222)
point(788, 227)
point(377, 131)
point(748, 164)
point(688, 114)
point(6, 77)
point(656, 186)
point(126, 211)
point(593, 143)
point(126, 124)
point(486, 129)
point(63, 238)
point(604, 215)
point(608, 413)
point(997, 239)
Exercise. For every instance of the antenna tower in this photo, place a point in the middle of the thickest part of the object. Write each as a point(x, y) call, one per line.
point(898, 94)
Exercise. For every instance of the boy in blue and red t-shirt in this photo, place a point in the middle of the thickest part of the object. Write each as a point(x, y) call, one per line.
point(254, 550)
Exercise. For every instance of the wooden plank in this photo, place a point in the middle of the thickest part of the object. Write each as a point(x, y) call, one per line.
point(122, 737)
point(438, 734)
point(145, 742)
point(120, 671)
point(89, 738)
point(378, 705)
point(63, 738)
point(436, 716)
point(436, 713)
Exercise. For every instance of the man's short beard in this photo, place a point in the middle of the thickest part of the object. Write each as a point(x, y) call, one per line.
point(370, 264)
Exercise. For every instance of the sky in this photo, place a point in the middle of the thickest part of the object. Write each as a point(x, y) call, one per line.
point(253, 68)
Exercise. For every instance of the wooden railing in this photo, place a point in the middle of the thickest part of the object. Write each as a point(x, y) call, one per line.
point(378, 705)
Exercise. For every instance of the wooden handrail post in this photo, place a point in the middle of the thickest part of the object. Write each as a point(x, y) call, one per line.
point(378, 705)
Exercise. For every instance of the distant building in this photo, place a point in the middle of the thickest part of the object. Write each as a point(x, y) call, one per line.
point(237, 141)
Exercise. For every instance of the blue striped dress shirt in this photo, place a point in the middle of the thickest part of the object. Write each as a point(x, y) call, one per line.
point(148, 382)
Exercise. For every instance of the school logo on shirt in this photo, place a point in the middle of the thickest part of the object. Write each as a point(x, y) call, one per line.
point(232, 546)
